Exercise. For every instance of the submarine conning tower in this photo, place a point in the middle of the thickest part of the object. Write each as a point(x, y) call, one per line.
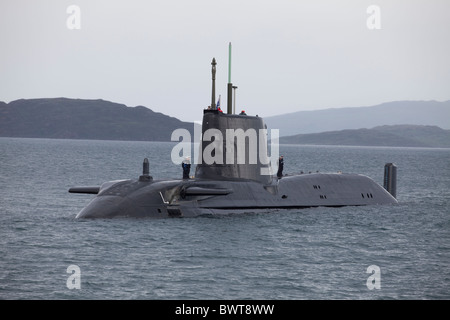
point(232, 146)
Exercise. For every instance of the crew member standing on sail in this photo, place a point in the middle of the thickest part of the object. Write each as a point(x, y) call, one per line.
point(280, 167)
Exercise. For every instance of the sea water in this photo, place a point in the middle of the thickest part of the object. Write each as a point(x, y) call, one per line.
point(315, 253)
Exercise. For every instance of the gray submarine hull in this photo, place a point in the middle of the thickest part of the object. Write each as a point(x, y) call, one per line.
point(229, 185)
point(233, 175)
point(194, 197)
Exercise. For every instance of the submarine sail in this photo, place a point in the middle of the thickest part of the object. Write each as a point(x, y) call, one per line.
point(233, 147)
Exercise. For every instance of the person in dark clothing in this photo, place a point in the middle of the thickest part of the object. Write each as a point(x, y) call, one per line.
point(186, 165)
point(280, 167)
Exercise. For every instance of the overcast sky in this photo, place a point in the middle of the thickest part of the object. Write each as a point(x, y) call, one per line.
point(287, 55)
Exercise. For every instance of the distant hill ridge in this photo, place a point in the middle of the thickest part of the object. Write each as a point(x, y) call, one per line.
point(390, 113)
point(65, 118)
point(392, 136)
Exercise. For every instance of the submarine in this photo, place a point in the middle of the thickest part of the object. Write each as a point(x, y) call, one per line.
point(233, 176)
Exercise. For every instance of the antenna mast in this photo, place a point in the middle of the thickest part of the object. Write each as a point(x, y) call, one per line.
point(230, 85)
point(213, 96)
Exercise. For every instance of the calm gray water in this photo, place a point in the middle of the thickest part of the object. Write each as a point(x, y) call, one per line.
point(317, 253)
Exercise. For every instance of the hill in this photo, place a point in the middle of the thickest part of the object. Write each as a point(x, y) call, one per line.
point(392, 136)
point(64, 118)
point(391, 113)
